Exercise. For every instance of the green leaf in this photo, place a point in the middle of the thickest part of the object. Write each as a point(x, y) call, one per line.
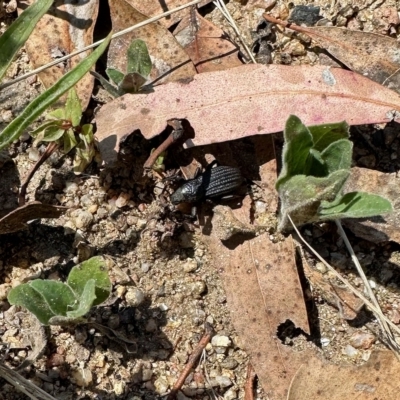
point(296, 150)
point(325, 134)
point(58, 113)
point(85, 150)
point(132, 83)
point(69, 140)
point(355, 205)
point(338, 155)
point(44, 126)
point(73, 109)
point(44, 100)
point(138, 58)
point(94, 268)
point(57, 295)
point(115, 75)
point(17, 34)
point(86, 300)
point(52, 134)
point(26, 296)
point(315, 165)
point(302, 195)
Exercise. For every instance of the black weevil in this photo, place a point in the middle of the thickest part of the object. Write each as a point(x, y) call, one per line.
point(214, 182)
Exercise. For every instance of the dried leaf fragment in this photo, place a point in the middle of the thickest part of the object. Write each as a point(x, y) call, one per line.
point(17, 219)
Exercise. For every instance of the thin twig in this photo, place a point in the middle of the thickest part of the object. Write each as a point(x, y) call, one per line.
point(249, 385)
point(50, 149)
point(176, 134)
point(118, 34)
point(344, 281)
point(387, 333)
point(209, 331)
point(225, 12)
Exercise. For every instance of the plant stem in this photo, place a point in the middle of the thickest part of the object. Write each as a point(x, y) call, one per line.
point(51, 147)
point(386, 331)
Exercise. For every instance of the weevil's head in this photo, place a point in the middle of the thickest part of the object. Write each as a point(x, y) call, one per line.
point(187, 193)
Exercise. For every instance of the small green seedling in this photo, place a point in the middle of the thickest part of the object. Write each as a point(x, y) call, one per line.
point(316, 164)
point(58, 303)
point(138, 69)
point(63, 127)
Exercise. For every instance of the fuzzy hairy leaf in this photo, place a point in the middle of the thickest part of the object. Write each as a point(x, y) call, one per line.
point(26, 296)
point(95, 268)
point(57, 295)
point(302, 195)
point(296, 150)
point(86, 300)
point(355, 205)
point(326, 134)
point(338, 155)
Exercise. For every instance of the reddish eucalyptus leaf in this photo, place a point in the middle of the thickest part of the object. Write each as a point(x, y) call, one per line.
point(368, 53)
point(245, 101)
point(67, 27)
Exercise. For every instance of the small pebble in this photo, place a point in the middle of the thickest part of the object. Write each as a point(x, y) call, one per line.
point(190, 265)
point(198, 288)
point(223, 381)
point(145, 267)
point(221, 341)
point(119, 388)
point(82, 377)
point(361, 340)
point(325, 341)
point(230, 394)
point(146, 374)
point(350, 351)
point(122, 200)
point(33, 153)
point(134, 297)
point(70, 187)
point(161, 385)
point(83, 220)
point(229, 363)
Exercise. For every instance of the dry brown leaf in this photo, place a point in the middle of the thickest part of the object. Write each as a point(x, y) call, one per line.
point(66, 27)
point(244, 101)
point(340, 297)
point(170, 62)
point(263, 291)
point(152, 8)
point(17, 219)
point(375, 380)
point(385, 227)
point(370, 54)
point(206, 44)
